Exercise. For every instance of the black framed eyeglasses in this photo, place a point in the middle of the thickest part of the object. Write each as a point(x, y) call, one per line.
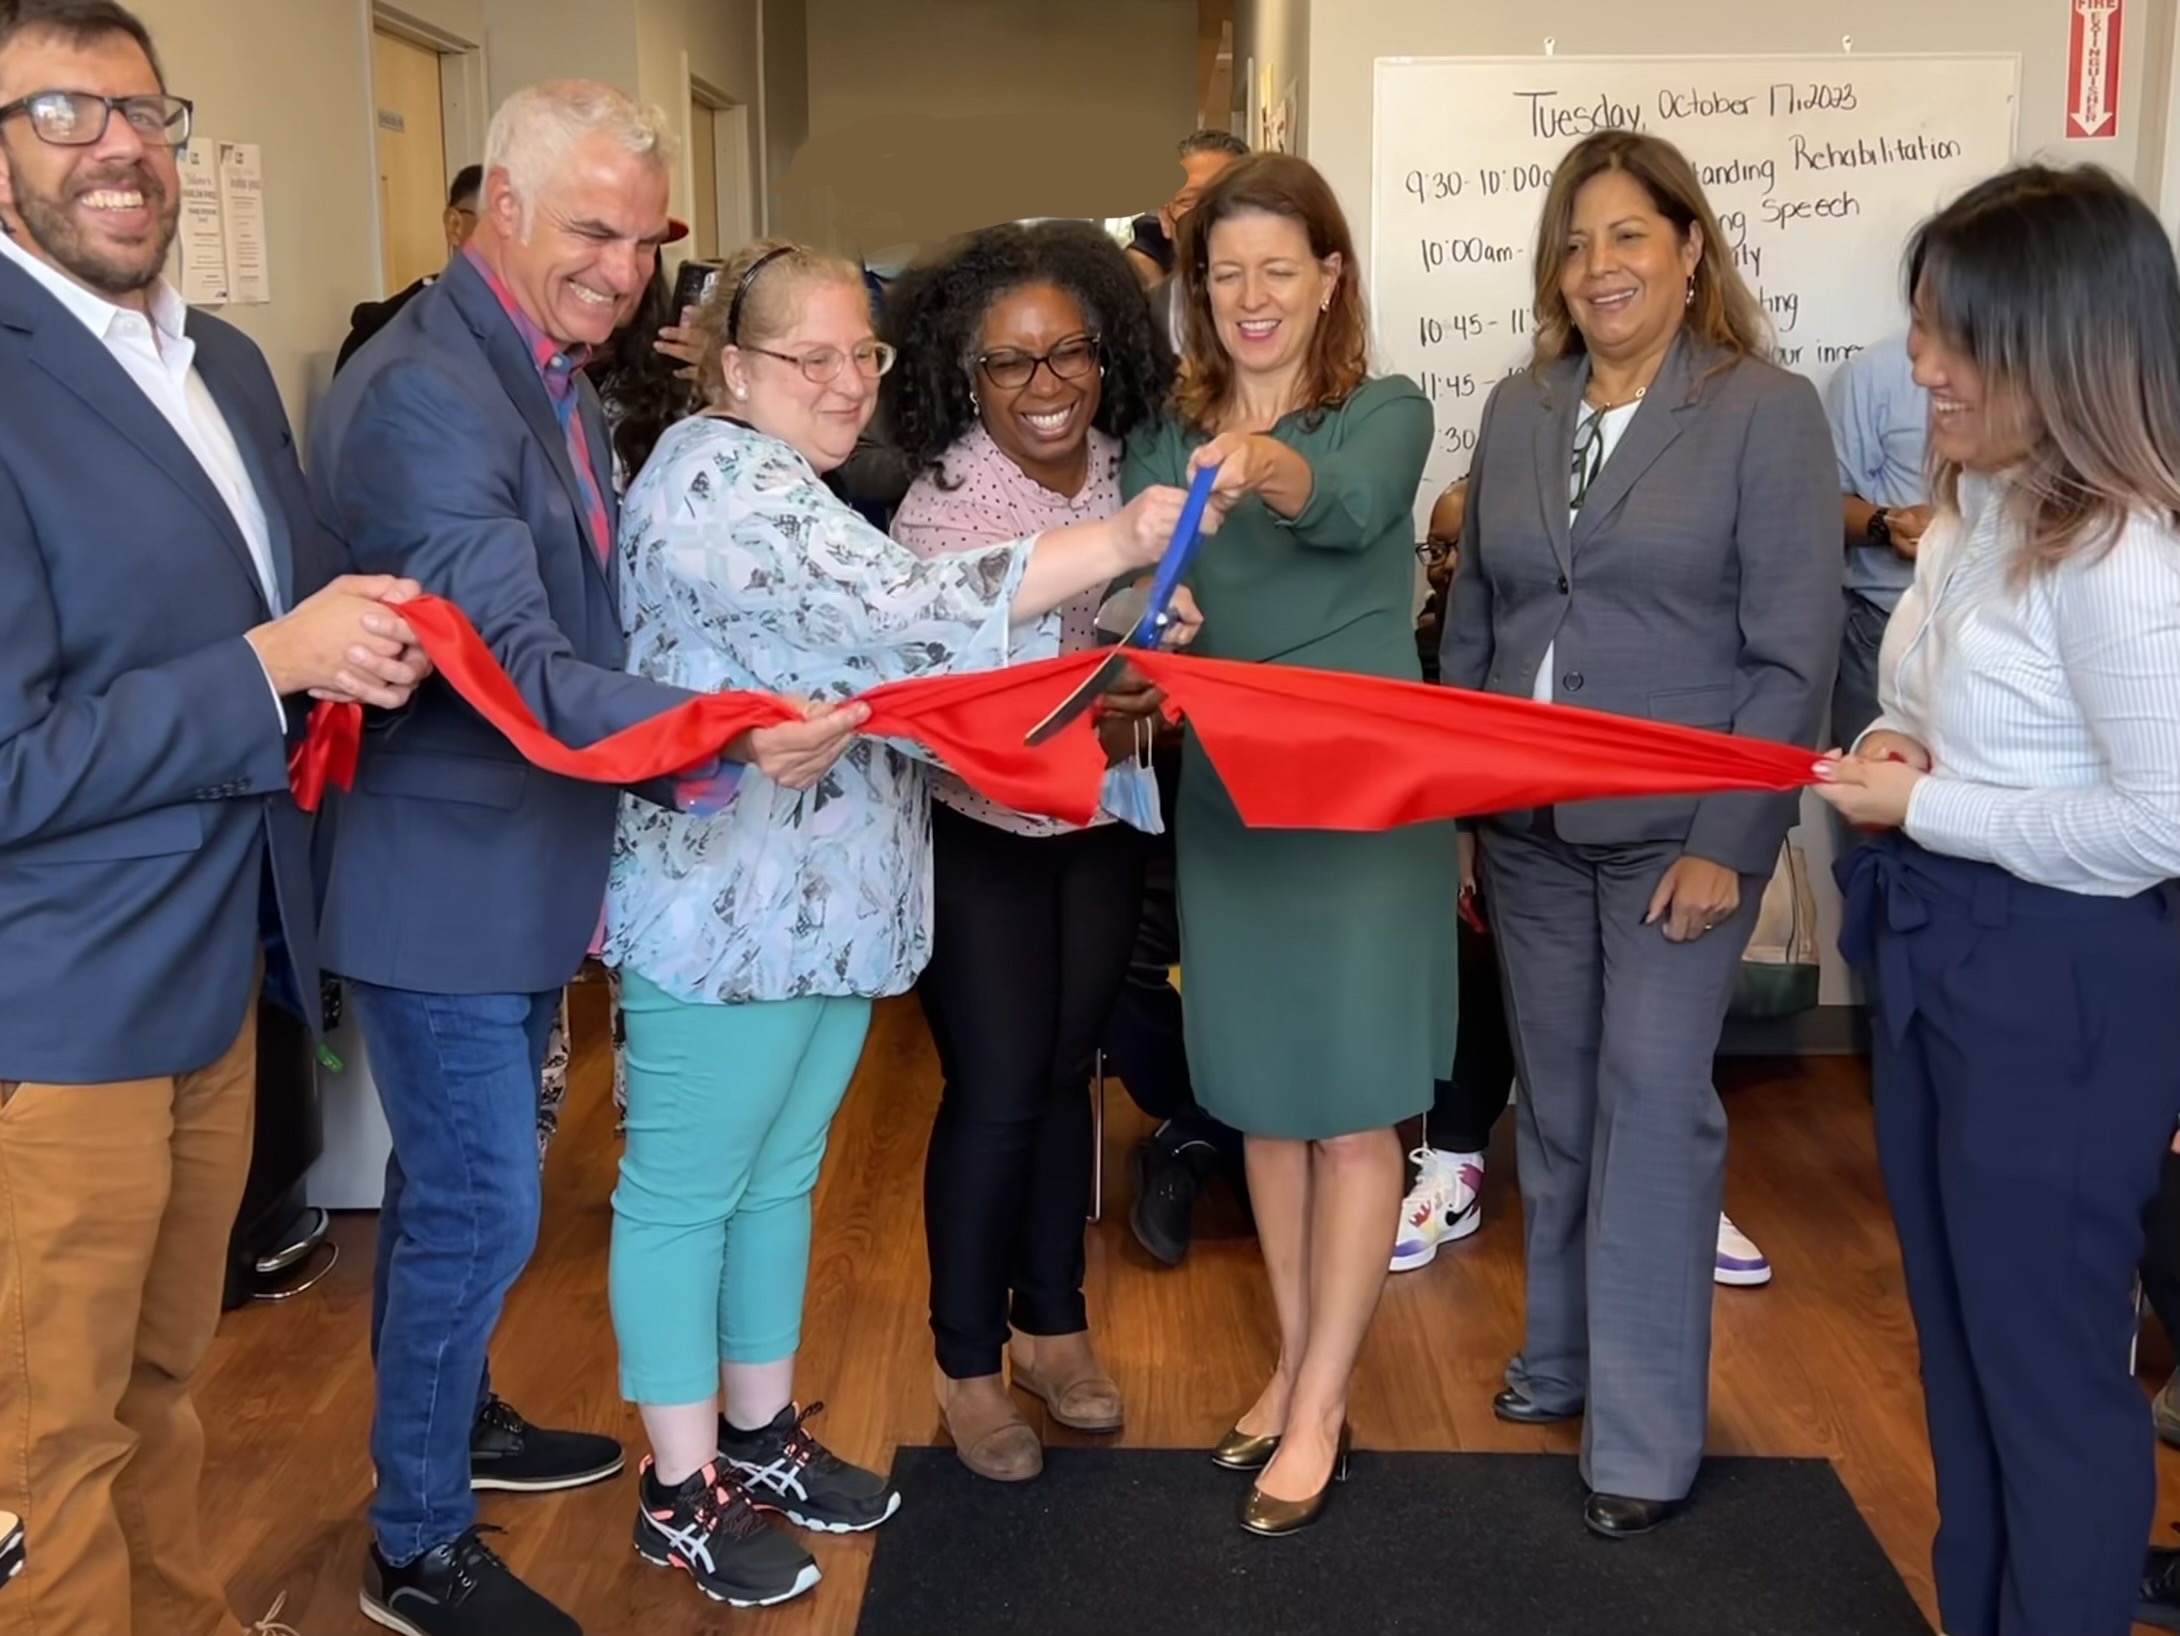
point(76, 119)
point(1434, 551)
point(872, 359)
point(1589, 454)
point(1010, 368)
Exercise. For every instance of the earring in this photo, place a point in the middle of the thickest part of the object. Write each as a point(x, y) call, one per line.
point(1691, 301)
point(1325, 305)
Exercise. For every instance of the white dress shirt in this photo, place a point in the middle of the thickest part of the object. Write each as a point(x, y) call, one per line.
point(1610, 424)
point(2051, 707)
point(160, 358)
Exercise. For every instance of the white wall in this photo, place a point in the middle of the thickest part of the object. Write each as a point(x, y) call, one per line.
point(531, 40)
point(313, 120)
point(946, 115)
point(714, 41)
point(786, 124)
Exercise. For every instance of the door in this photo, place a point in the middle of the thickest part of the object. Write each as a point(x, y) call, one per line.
point(704, 180)
point(412, 159)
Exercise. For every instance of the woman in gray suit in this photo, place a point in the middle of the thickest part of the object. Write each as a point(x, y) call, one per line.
point(1652, 530)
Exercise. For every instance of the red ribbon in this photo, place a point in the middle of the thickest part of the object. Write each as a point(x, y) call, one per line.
point(1296, 749)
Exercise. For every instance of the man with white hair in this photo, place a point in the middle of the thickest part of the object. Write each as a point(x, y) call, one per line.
point(464, 449)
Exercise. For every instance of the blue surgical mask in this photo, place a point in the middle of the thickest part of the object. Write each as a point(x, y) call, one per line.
point(1131, 788)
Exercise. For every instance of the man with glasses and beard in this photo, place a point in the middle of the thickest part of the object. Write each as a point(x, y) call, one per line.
point(167, 598)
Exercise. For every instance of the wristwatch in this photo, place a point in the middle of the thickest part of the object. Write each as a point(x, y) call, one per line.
point(1880, 526)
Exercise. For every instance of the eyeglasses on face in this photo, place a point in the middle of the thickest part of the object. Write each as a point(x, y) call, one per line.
point(77, 119)
point(824, 364)
point(1010, 368)
point(1435, 550)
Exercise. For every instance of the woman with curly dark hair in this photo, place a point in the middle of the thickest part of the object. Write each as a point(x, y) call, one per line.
point(1027, 354)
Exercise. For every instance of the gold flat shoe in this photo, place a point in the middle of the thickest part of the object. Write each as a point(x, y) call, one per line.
point(1245, 1451)
point(1261, 1514)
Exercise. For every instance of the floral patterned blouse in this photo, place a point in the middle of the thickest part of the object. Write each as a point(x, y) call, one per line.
point(739, 569)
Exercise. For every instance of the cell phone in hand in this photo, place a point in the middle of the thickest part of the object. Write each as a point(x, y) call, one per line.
point(694, 284)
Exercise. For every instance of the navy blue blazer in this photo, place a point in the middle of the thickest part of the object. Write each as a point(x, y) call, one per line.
point(457, 867)
point(143, 760)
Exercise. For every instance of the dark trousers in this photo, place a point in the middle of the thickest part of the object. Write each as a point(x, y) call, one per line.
point(1467, 1105)
point(2026, 1058)
point(2161, 1252)
point(1144, 1040)
point(1030, 946)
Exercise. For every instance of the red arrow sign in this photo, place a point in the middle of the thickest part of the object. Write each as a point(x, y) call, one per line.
point(2092, 69)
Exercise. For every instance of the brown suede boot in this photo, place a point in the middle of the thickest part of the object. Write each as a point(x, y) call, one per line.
point(1064, 1373)
point(989, 1432)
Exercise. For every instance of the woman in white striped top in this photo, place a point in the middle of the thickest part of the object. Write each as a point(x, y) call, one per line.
point(2016, 920)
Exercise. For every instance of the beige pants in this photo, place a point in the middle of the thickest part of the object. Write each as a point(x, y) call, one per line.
point(116, 1204)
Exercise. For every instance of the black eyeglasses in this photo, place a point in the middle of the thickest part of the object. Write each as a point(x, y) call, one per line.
point(1589, 454)
point(77, 119)
point(1435, 551)
point(1010, 368)
point(872, 359)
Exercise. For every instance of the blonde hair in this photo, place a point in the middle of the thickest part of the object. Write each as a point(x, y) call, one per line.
point(2061, 287)
point(1720, 308)
point(535, 130)
point(770, 304)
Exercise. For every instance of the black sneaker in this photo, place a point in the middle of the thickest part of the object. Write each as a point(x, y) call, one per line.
point(787, 1470)
point(2160, 1597)
point(1167, 1176)
point(507, 1452)
point(708, 1529)
point(460, 1589)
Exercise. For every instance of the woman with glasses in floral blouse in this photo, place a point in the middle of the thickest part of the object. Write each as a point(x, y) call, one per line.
point(751, 940)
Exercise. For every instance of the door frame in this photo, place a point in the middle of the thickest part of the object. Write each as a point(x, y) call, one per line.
point(734, 153)
point(464, 97)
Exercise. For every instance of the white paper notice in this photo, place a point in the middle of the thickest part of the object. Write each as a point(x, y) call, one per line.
point(242, 197)
point(204, 232)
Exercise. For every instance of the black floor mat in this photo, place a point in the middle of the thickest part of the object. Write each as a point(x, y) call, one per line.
point(1143, 1542)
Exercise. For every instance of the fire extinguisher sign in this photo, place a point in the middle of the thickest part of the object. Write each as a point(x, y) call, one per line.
point(2092, 70)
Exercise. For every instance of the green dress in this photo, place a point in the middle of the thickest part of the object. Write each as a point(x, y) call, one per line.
point(1317, 967)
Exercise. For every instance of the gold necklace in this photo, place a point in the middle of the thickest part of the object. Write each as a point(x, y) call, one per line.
point(1608, 408)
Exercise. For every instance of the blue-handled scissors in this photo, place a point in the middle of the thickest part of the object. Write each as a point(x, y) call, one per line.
point(1150, 630)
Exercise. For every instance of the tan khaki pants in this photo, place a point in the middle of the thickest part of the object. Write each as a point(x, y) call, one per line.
point(116, 1204)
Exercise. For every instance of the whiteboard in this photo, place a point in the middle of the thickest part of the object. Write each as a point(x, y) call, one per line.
point(1819, 168)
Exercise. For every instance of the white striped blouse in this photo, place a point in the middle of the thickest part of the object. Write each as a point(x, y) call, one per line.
point(2051, 709)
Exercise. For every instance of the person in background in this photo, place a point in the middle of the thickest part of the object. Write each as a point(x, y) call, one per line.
point(1702, 501)
point(458, 222)
point(170, 601)
point(1028, 358)
point(1878, 417)
point(2016, 918)
point(466, 448)
point(1316, 965)
point(752, 941)
point(1204, 157)
point(1444, 1203)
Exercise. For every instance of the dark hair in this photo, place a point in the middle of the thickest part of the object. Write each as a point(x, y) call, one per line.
point(935, 315)
point(1272, 184)
point(78, 21)
point(642, 389)
point(467, 184)
point(1720, 308)
point(1212, 142)
point(2061, 286)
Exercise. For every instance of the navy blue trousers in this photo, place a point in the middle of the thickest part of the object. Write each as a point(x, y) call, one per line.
point(2026, 1058)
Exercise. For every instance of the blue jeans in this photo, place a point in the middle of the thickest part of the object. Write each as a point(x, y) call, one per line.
point(458, 1077)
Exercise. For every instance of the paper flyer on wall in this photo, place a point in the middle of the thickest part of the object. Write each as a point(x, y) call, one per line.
point(204, 230)
point(242, 199)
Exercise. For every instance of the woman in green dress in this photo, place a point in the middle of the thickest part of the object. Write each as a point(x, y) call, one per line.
point(1319, 966)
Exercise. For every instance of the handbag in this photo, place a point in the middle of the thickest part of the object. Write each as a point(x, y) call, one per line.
point(1780, 971)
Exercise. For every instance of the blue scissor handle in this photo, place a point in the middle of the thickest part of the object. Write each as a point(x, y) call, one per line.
point(1174, 564)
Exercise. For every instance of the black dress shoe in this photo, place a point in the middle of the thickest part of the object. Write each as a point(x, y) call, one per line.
point(460, 1589)
point(2160, 1597)
point(1616, 1516)
point(1523, 1410)
point(507, 1452)
point(1167, 1178)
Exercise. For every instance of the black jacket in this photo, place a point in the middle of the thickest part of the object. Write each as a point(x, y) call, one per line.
point(370, 317)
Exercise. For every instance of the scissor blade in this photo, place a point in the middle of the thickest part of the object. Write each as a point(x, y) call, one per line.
point(1098, 682)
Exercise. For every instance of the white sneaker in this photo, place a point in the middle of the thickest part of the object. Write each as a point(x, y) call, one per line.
point(1445, 1205)
point(1740, 1263)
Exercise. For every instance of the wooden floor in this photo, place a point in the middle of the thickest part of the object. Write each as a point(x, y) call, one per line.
point(1822, 1362)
